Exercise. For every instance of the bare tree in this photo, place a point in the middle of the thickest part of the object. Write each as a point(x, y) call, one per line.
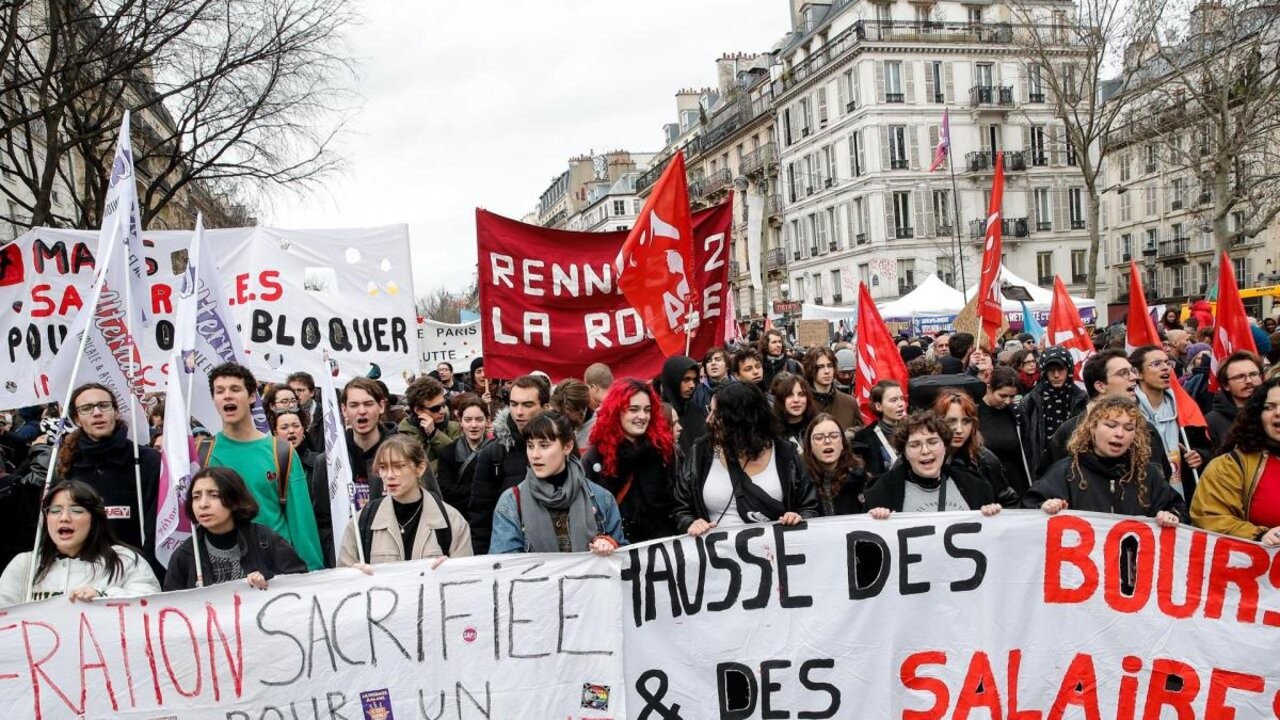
point(442, 305)
point(1071, 51)
point(232, 96)
point(1212, 108)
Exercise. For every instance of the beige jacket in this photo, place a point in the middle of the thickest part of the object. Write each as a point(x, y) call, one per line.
point(387, 546)
point(1222, 498)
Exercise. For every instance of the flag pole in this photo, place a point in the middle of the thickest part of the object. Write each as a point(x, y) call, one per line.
point(96, 299)
point(955, 209)
point(133, 418)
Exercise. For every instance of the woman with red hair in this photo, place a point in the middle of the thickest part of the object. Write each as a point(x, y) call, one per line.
point(966, 450)
point(633, 456)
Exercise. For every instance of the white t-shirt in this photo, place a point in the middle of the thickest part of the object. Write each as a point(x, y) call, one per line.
point(918, 499)
point(717, 493)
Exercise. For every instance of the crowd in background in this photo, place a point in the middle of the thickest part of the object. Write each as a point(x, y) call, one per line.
point(461, 464)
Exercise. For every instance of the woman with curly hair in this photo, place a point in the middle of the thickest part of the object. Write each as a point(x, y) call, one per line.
point(1108, 469)
point(966, 449)
point(838, 474)
point(632, 455)
point(741, 472)
point(793, 406)
point(925, 482)
point(1239, 493)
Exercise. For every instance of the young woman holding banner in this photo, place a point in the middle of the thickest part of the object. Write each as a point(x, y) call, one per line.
point(78, 556)
point(838, 474)
point(231, 546)
point(924, 482)
point(1239, 492)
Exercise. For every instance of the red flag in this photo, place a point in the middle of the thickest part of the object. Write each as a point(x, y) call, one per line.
point(877, 355)
point(990, 308)
point(1140, 329)
point(944, 142)
point(655, 266)
point(1189, 413)
point(1231, 330)
point(1066, 328)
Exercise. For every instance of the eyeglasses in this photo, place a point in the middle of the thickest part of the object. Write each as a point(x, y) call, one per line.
point(87, 409)
point(1255, 375)
point(831, 437)
point(433, 408)
point(1124, 372)
point(56, 510)
point(1159, 364)
point(285, 403)
point(932, 443)
point(392, 468)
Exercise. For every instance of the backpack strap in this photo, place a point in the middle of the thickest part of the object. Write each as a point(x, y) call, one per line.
point(365, 525)
point(204, 450)
point(284, 463)
point(444, 535)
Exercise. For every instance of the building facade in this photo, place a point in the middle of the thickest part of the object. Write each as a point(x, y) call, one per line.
point(572, 199)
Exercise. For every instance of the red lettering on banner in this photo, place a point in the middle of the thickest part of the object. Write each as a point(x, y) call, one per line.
point(235, 663)
point(272, 290)
point(1223, 681)
point(1127, 703)
point(1113, 573)
point(151, 655)
point(1164, 691)
point(190, 635)
point(124, 649)
point(911, 680)
point(161, 299)
point(1079, 688)
point(44, 301)
point(86, 632)
point(1058, 554)
point(1194, 569)
point(979, 689)
point(38, 676)
point(1222, 573)
point(1015, 664)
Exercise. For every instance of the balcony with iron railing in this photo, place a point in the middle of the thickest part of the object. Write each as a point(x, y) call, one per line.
point(715, 182)
point(759, 160)
point(773, 205)
point(985, 160)
point(650, 176)
point(1000, 96)
point(1045, 281)
point(1174, 251)
point(775, 259)
point(1009, 227)
point(1079, 278)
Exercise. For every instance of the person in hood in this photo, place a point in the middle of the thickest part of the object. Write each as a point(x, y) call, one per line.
point(1053, 401)
point(78, 557)
point(633, 456)
point(503, 464)
point(362, 404)
point(1239, 493)
point(1202, 311)
point(99, 453)
point(1108, 469)
point(555, 508)
point(679, 388)
point(773, 354)
point(1238, 376)
point(846, 364)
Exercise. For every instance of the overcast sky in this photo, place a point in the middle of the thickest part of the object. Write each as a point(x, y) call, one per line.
point(481, 104)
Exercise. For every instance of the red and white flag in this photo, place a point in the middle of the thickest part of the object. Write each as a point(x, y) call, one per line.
point(1140, 329)
point(877, 355)
point(990, 308)
point(655, 266)
point(1066, 329)
point(944, 142)
point(1231, 330)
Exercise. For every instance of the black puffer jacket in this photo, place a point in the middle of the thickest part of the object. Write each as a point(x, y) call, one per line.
point(989, 468)
point(798, 494)
point(647, 507)
point(1057, 448)
point(500, 465)
point(1063, 482)
point(457, 470)
point(1220, 419)
point(261, 550)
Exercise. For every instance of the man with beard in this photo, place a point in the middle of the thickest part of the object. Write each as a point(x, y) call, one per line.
point(679, 387)
point(1238, 375)
point(1053, 400)
point(1160, 408)
point(1107, 373)
point(773, 355)
point(284, 497)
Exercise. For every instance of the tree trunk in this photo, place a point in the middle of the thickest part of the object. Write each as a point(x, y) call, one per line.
point(1095, 238)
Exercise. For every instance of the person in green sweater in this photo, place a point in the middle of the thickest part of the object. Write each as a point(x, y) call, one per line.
point(253, 454)
point(428, 421)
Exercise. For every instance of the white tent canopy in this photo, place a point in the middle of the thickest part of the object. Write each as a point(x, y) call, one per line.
point(1041, 298)
point(812, 311)
point(932, 297)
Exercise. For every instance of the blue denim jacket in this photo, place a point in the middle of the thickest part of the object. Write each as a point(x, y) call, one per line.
point(508, 535)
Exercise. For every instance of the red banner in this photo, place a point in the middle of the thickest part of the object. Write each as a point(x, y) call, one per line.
point(549, 299)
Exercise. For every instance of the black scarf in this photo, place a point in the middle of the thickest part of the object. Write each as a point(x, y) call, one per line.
point(1057, 407)
point(111, 450)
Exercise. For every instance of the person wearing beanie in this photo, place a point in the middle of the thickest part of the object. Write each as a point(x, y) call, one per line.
point(910, 352)
point(1053, 401)
point(845, 365)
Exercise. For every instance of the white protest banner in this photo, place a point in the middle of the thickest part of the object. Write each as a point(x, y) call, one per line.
point(178, 464)
point(512, 637)
point(925, 617)
point(293, 293)
point(337, 458)
point(448, 342)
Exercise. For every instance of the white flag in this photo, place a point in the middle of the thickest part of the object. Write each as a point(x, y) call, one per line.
point(122, 207)
point(338, 461)
point(179, 464)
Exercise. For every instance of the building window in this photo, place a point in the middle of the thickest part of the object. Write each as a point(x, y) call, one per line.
point(1126, 247)
point(1044, 268)
point(1075, 202)
point(898, 147)
point(619, 207)
point(946, 269)
point(786, 126)
point(939, 82)
point(1071, 152)
point(884, 14)
point(806, 117)
point(902, 215)
point(906, 276)
point(857, 223)
point(1038, 156)
point(1126, 211)
point(983, 74)
point(1153, 237)
point(857, 154)
point(1176, 192)
point(813, 235)
point(817, 288)
point(636, 206)
point(791, 182)
point(822, 107)
point(1079, 266)
point(1044, 210)
point(942, 211)
point(975, 14)
point(1035, 84)
point(1152, 155)
point(893, 82)
point(829, 166)
point(831, 223)
point(1124, 167)
point(1151, 202)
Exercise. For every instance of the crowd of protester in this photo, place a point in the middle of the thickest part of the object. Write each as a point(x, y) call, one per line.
point(461, 465)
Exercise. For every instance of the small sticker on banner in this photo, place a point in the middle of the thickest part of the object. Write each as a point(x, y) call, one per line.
point(595, 697)
point(118, 512)
point(376, 704)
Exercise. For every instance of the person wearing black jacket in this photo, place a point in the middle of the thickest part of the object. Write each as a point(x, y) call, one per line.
point(838, 474)
point(230, 545)
point(773, 351)
point(923, 481)
point(875, 441)
point(1054, 400)
point(966, 447)
point(457, 463)
point(741, 472)
point(503, 463)
point(680, 389)
point(633, 455)
point(290, 425)
point(1001, 424)
point(1109, 469)
point(98, 452)
point(1237, 377)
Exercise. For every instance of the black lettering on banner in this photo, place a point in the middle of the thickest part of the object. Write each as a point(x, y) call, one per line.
point(785, 598)
point(806, 668)
point(379, 331)
point(1128, 565)
point(631, 573)
point(318, 620)
point(377, 622)
point(719, 563)
point(164, 334)
point(399, 335)
point(445, 617)
point(694, 605)
point(337, 648)
point(737, 691)
point(652, 575)
point(868, 560)
point(763, 590)
point(512, 620)
point(310, 336)
point(486, 710)
point(277, 658)
point(653, 698)
point(768, 687)
point(564, 617)
point(260, 327)
point(906, 559)
point(338, 339)
point(961, 553)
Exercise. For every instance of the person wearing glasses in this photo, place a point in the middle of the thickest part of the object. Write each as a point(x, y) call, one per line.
point(279, 398)
point(1238, 376)
point(838, 474)
point(925, 482)
point(98, 452)
point(78, 556)
point(411, 521)
point(1160, 408)
point(428, 421)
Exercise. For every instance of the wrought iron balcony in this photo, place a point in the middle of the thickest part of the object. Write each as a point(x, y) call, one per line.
point(773, 205)
point(1174, 250)
point(715, 182)
point(1009, 227)
point(984, 160)
point(775, 259)
point(991, 96)
point(759, 160)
